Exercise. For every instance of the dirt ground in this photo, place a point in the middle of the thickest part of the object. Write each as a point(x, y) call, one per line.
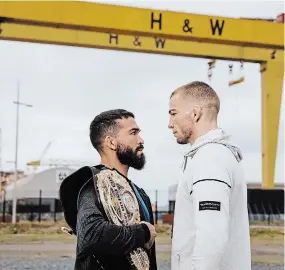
point(25, 249)
point(268, 250)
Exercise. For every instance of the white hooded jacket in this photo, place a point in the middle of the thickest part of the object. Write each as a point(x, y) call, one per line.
point(211, 227)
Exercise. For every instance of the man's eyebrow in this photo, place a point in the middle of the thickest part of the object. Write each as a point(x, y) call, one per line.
point(134, 129)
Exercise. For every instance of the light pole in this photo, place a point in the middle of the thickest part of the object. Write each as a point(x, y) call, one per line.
point(18, 103)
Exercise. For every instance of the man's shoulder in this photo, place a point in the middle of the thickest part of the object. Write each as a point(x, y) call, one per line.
point(214, 157)
point(143, 193)
point(70, 189)
point(215, 152)
point(141, 190)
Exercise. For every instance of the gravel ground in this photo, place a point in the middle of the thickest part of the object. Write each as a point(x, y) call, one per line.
point(67, 263)
point(22, 254)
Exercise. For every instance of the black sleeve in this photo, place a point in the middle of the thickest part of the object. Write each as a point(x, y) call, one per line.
point(95, 235)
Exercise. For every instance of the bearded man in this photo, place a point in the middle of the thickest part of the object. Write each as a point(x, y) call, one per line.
point(111, 216)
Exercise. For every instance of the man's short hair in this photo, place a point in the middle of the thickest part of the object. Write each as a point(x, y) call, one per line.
point(105, 124)
point(202, 92)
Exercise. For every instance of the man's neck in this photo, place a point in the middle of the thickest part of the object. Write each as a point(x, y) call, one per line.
point(116, 164)
point(202, 131)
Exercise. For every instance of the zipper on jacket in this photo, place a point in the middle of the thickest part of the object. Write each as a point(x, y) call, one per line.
point(178, 259)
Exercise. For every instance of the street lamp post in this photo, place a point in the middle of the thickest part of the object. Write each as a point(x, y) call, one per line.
point(18, 103)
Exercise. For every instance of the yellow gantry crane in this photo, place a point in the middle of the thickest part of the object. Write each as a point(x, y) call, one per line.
point(39, 161)
point(94, 25)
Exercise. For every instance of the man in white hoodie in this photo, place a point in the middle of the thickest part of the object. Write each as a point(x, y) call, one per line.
point(211, 227)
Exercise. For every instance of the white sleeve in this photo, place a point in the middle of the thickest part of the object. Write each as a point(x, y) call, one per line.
point(211, 197)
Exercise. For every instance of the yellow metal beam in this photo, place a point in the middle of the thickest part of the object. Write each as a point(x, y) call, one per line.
point(113, 41)
point(272, 83)
point(34, 163)
point(123, 28)
point(145, 22)
point(234, 82)
point(272, 72)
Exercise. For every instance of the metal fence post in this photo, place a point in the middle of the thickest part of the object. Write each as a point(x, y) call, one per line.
point(4, 206)
point(156, 210)
point(40, 206)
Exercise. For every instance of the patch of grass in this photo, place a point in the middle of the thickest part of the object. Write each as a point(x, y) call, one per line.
point(266, 233)
point(266, 223)
point(35, 232)
point(59, 238)
point(26, 227)
point(45, 227)
point(163, 229)
point(36, 238)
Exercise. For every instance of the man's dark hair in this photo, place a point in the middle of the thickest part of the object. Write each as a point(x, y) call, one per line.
point(105, 124)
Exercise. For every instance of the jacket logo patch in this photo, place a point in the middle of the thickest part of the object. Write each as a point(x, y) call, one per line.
point(209, 205)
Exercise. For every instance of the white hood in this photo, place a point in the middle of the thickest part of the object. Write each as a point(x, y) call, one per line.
point(214, 136)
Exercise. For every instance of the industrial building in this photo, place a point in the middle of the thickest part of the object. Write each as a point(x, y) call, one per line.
point(37, 195)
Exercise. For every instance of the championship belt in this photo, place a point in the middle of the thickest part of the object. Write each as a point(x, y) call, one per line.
point(121, 207)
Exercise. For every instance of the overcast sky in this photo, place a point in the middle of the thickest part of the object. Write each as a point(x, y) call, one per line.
point(68, 86)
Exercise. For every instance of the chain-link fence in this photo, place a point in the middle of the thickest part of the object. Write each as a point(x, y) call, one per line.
point(32, 208)
point(42, 205)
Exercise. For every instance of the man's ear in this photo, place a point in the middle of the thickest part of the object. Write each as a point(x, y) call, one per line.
point(111, 143)
point(197, 113)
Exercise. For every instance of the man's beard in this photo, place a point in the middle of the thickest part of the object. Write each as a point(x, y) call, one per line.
point(184, 139)
point(128, 156)
point(186, 134)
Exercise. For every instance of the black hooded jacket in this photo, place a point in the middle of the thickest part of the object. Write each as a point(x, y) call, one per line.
point(100, 244)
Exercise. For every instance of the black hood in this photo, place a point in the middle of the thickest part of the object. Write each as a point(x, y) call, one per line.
point(68, 194)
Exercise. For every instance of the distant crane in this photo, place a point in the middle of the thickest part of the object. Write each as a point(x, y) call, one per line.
point(57, 162)
point(66, 163)
point(39, 162)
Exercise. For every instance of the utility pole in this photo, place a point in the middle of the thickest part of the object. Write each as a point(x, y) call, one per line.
point(18, 103)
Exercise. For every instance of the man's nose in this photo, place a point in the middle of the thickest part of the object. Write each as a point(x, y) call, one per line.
point(170, 124)
point(140, 141)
